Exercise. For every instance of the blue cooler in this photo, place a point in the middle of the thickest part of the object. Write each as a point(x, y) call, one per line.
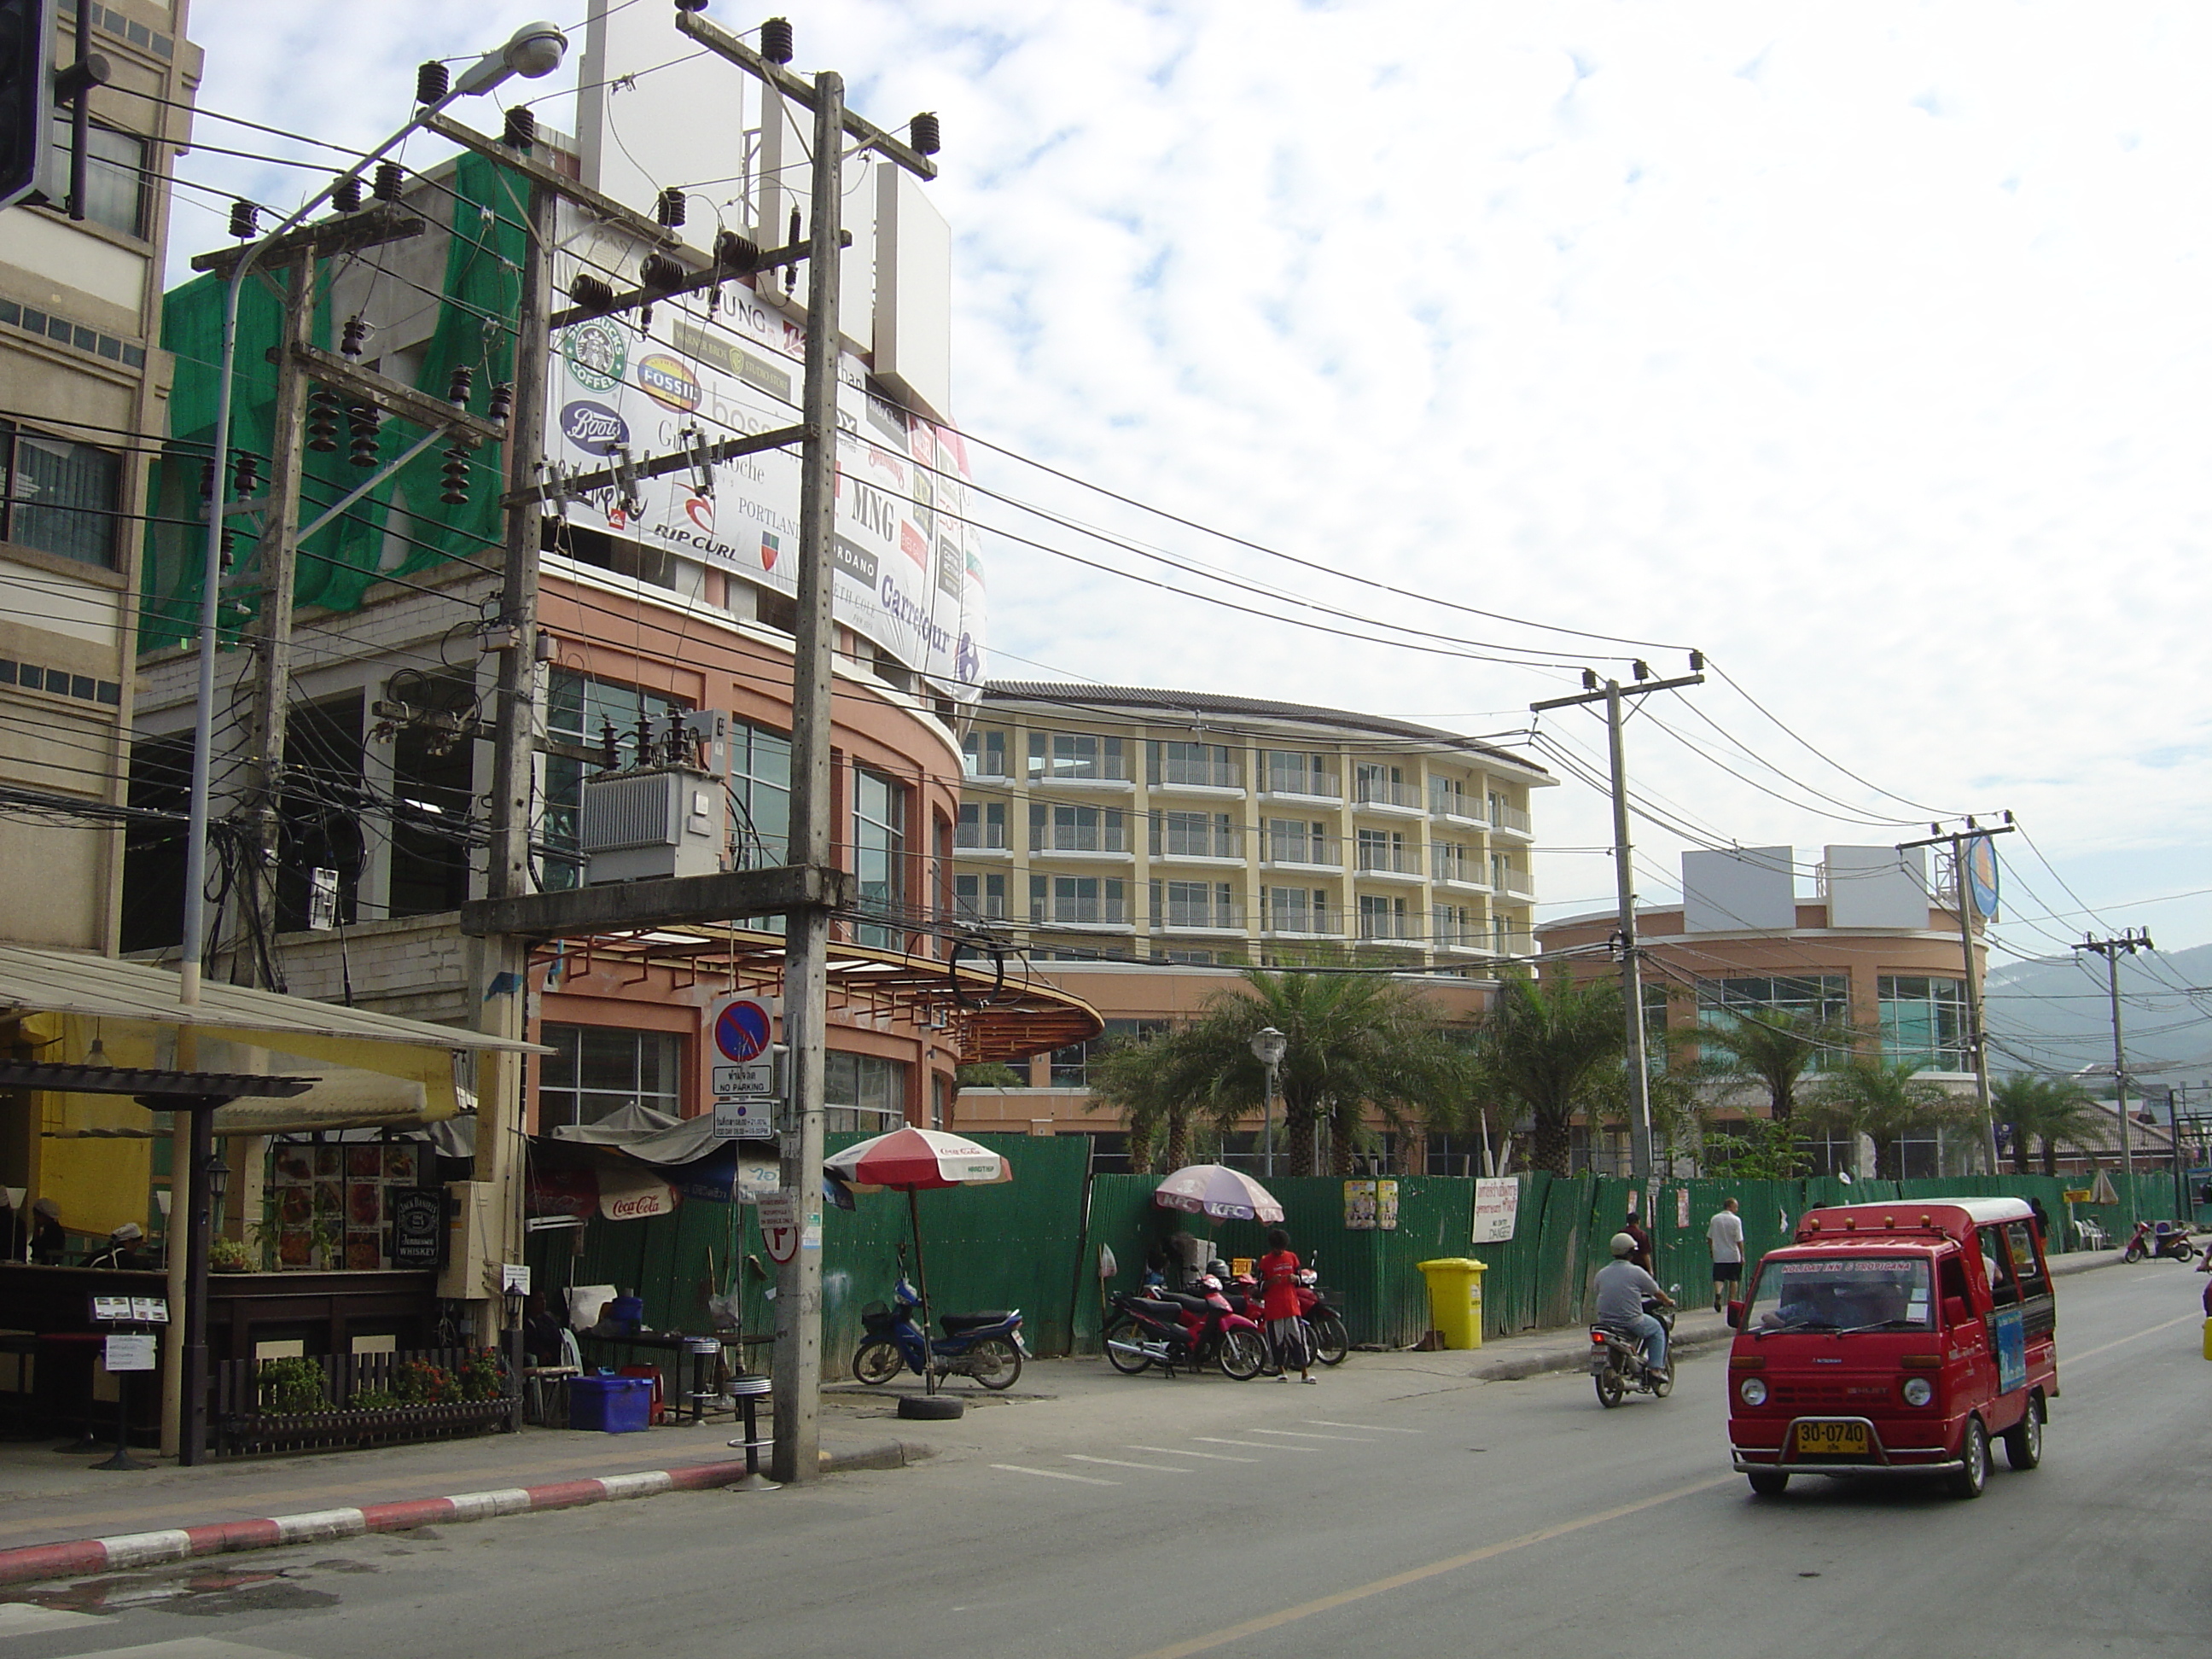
point(617, 1405)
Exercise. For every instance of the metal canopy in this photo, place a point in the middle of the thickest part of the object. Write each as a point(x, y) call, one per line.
point(146, 1084)
point(985, 1019)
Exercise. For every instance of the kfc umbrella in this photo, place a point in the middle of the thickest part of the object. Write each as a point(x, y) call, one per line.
point(1216, 1190)
point(907, 1161)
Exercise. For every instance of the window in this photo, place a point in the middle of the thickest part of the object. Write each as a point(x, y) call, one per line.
point(596, 1070)
point(1076, 830)
point(1449, 795)
point(863, 1095)
point(1448, 861)
point(1209, 764)
point(1381, 917)
point(1295, 772)
point(984, 753)
point(760, 792)
point(577, 711)
point(984, 896)
point(1825, 996)
point(1059, 755)
point(1832, 1293)
point(1455, 926)
point(2019, 1236)
point(1193, 904)
point(1386, 850)
point(1071, 1064)
point(1080, 901)
point(1923, 1021)
point(878, 851)
point(1192, 836)
point(60, 498)
point(117, 191)
point(983, 825)
point(1295, 909)
point(1997, 1263)
point(1385, 785)
point(1297, 841)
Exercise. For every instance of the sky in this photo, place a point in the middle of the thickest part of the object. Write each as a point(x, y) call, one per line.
point(1862, 348)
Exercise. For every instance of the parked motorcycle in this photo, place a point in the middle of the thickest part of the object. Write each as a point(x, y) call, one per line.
point(2167, 1239)
point(1327, 1339)
point(1617, 1363)
point(1173, 1330)
point(986, 1346)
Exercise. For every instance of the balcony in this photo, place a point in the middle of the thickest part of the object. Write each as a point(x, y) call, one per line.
point(1081, 912)
point(1383, 928)
point(980, 838)
point(1198, 916)
point(1210, 842)
point(1388, 858)
point(1382, 794)
point(1302, 921)
point(1176, 773)
point(1301, 784)
point(1080, 840)
point(1302, 852)
point(1502, 816)
point(1456, 872)
point(1519, 882)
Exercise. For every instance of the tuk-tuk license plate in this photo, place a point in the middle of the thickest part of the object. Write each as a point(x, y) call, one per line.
point(1831, 1439)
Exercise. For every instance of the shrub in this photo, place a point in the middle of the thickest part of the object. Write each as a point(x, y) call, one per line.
point(418, 1383)
point(482, 1377)
point(292, 1385)
point(373, 1400)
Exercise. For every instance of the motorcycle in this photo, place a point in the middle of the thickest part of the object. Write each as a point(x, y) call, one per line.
point(2165, 1239)
point(1170, 1330)
point(1327, 1339)
point(1617, 1363)
point(986, 1346)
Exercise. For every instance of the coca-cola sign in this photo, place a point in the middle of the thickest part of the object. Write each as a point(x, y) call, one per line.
point(634, 1195)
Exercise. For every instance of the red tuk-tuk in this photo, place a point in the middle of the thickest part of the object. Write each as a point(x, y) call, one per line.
point(1895, 1339)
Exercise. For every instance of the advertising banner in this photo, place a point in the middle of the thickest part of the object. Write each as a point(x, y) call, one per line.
point(908, 562)
point(1497, 1209)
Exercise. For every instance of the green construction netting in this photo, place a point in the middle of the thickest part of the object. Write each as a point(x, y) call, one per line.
point(401, 526)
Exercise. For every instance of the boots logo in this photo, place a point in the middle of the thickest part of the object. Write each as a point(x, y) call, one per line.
point(593, 427)
point(668, 383)
point(597, 354)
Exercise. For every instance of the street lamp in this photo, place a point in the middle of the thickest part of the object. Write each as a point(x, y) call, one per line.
point(1268, 1047)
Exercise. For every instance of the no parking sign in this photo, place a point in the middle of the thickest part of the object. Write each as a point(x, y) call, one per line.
point(741, 1068)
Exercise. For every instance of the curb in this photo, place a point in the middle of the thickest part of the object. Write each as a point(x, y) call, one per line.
point(146, 1549)
point(1512, 1370)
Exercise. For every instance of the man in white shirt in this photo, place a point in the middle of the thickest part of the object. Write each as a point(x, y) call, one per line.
point(1724, 1234)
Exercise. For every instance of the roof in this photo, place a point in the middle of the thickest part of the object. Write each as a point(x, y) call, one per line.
point(1979, 1211)
point(1074, 695)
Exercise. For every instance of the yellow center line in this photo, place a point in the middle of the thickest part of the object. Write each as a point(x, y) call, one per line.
point(2149, 1330)
point(1291, 1615)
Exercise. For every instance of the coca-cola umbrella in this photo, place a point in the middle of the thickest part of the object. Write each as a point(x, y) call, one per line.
point(1216, 1190)
point(909, 1161)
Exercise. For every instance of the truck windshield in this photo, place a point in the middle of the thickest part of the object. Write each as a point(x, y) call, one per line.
point(1848, 1293)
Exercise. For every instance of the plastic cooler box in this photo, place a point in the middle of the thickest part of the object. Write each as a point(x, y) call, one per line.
point(617, 1404)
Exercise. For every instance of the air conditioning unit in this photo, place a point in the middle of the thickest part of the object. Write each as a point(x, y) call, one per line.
point(660, 821)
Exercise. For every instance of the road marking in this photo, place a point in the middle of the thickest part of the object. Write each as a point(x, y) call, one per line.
point(189, 1647)
point(1055, 1474)
point(23, 1619)
point(2151, 1330)
point(1291, 1615)
point(1250, 1446)
point(1372, 1428)
point(1300, 1434)
point(1177, 1451)
point(1124, 1463)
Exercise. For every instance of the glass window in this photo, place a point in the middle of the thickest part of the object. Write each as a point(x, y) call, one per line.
point(983, 825)
point(116, 193)
point(1192, 904)
point(1297, 772)
point(980, 896)
point(1076, 830)
point(1208, 764)
point(760, 791)
point(1193, 836)
point(1076, 755)
point(1923, 1021)
point(1997, 1266)
point(1841, 1294)
point(596, 1070)
point(60, 498)
point(1079, 900)
point(984, 753)
point(878, 851)
point(1071, 1064)
point(863, 1094)
point(2020, 1237)
point(1813, 996)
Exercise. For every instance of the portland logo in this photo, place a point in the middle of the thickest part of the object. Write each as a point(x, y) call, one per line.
point(593, 427)
point(771, 547)
point(668, 383)
point(597, 354)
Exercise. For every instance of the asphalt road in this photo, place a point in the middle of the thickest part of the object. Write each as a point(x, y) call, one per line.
point(1395, 1510)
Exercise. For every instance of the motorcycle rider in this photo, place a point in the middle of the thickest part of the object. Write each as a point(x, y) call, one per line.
point(1621, 1287)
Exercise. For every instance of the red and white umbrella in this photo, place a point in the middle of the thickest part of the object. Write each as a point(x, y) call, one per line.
point(911, 1160)
point(1216, 1190)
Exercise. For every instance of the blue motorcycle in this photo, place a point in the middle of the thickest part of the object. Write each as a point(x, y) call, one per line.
point(986, 1346)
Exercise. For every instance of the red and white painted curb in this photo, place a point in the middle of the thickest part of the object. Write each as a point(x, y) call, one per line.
point(146, 1549)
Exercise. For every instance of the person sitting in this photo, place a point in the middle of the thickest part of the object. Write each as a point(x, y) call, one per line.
point(122, 1250)
point(48, 1240)
point(541, 1331)
point(1622, 1287)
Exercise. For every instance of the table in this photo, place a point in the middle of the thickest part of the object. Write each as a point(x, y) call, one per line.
point(670, 1342)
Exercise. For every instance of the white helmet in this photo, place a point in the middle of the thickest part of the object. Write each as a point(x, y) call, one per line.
point(1623, 1244)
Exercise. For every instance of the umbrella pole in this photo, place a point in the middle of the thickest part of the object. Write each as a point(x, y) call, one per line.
point(922, 1273)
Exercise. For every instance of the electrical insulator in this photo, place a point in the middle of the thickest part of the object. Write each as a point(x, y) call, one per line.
point(390, 180)
point(502, 401)
point(924, 133)
point(322, 420)
point(736, 255)
point(207, 479)
point(354, 336)
point(244, 220)
point(345, 192)
point(609, 746)
point(668, 207)
point(453, 477)
point(521, 130)
point(432, 82)
point(591, 294)
point(363, 418)
point(245, 474)
point(458, 385)
point(229, 540)
point(775, 40)
point(660, 275)
point(644, 739)
point(690, 5)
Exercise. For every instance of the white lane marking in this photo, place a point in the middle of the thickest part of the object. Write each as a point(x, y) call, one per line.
point(2153, 1330)
point(23, 1619)
point(1372, 1428)
point(190, 1646)
point(1178, 1451)
point(1124, 1463)
point(1250, 1446)
point(1055, 1474)
point(1300, 1434)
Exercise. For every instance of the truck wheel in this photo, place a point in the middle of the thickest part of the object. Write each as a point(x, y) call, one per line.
point(1974, 1455)
point(2024, 1440)
point(1768, 1483)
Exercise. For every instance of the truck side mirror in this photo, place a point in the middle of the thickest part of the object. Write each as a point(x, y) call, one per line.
point(1956, 1312)
point(1735, 1315)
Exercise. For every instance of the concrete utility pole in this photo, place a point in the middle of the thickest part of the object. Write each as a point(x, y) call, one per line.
point(2112, 950)
point(1963, 899)
point(1612, 693)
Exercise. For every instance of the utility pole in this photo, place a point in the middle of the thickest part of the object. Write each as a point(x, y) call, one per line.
point(2112, 950)
point(798, 1361)
point(1963, 898)
point(1612, 694)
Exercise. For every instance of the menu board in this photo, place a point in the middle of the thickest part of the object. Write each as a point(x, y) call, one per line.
point(333, 1205)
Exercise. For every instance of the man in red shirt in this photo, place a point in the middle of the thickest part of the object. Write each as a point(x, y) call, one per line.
point(1278, 1306)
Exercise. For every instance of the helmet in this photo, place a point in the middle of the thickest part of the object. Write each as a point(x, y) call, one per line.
point(1218, 1268)
point(1208, 1283)
point(1623, 1244)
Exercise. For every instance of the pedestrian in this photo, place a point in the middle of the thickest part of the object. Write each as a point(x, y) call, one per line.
point(1642, 1257)
point(1278, 1306)
point(2042, 1219)
point(48, 1239)
point(1724, 1235)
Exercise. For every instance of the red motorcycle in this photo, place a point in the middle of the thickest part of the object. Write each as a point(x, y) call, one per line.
point(2169, 1239)
point(1169, 1329)
point(1327, 1337)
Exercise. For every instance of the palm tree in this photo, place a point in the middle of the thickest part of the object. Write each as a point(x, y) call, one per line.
point(1550, 1048)
point(1885, 1101)
point(1160, 1086)
point(2048, 1109)
point(1773, 1046)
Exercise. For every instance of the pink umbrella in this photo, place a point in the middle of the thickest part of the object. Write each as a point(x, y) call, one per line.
point(907, 1161)
point(1218, 1191)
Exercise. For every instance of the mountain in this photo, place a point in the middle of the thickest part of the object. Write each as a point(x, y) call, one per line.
point(2054, 1014)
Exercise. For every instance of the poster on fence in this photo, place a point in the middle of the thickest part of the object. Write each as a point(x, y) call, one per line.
point(1359, 1207)
point(1497, 1208)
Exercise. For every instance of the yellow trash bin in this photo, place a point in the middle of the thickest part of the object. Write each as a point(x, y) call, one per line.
point(1456, 1298)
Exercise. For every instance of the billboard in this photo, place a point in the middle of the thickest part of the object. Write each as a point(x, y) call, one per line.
point(907, 564)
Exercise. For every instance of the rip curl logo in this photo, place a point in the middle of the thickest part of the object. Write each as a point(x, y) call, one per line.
point(668, 383)
point(593, 427)
point(701, 511)
point(596, 355)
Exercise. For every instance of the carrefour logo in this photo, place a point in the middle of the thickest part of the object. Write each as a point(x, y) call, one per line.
point(593, 427)
point(596, 355)
point(668, 383)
